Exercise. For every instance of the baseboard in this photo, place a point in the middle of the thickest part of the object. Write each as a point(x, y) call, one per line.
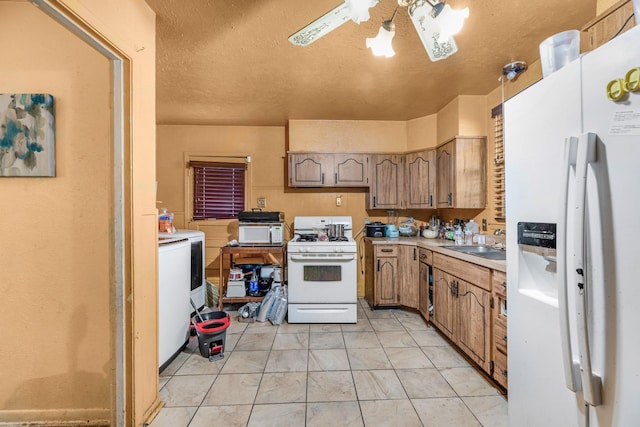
point(56, 417)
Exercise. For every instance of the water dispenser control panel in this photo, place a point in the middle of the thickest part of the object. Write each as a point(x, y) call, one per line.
point(539, 234)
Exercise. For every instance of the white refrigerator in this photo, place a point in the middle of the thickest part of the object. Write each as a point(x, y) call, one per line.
point(572, 179)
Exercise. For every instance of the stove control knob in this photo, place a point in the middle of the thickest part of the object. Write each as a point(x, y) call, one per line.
point(338, 250)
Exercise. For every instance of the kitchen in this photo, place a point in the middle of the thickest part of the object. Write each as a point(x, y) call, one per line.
point(275, 138)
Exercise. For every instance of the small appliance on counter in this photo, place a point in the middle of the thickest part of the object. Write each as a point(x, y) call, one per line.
point(390, 230)
point(375, 229)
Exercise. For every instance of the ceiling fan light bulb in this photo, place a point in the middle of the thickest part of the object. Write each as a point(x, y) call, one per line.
point(380, 45)
point(451, 21)
point(359, 9)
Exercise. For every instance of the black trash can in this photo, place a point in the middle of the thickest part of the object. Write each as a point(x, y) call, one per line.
point(211, 333)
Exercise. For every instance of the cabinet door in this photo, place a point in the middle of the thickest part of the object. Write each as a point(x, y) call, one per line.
point(474, 317)
point(409, 281)
point(446, 175)
point(386, 189)
point(470, 188)
point(386, 286)
point(420, 180)
point(443, 302)
point(310, 170)
point(423, 290)
point(351, 170)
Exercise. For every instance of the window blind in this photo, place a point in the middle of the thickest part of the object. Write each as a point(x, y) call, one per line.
point(218, 189)
point(498, 169)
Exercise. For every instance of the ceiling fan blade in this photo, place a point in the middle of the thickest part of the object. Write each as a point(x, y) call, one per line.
point(321, 26)
point(429, 32)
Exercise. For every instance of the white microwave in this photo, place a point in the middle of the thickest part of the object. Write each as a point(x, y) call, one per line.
point(255, 233)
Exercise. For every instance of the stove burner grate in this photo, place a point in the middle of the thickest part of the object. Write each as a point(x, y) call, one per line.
point(307, 238)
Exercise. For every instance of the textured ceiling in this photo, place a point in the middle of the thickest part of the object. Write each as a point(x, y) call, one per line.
point(229, 62)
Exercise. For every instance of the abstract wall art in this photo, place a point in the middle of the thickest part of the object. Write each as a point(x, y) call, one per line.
point(27, 139)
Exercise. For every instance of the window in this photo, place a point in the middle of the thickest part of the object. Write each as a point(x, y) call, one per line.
point(218, 189)
point(498, 166)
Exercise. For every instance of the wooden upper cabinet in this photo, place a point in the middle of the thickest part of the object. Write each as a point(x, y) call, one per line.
point(461, 177)
point(328, 170)
point(420, 180)
point(386, 182)
point(351, 170)
point(604, 26)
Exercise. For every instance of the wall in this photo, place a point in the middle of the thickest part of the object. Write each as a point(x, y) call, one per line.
point(463, 116)
point(58, 318)
point(422, 132)
point(347, 135)
point(55, 268)
point(267, 148)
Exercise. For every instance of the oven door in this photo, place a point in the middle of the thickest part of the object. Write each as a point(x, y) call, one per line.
point(322, 278)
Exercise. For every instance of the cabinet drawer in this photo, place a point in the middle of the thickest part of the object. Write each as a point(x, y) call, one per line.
point(425, 256)
point(500, 334)
point(499, 283)
point(472, 273)
point(500, 368)
point(386, 250)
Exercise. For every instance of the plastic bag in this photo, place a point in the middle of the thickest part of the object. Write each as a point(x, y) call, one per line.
point(279, 308)
point(248, 310)
point(265, 307)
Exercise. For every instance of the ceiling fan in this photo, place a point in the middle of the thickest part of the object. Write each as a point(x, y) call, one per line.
point(434, 21)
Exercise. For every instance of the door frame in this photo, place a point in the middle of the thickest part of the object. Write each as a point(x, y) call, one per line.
point(121, 143)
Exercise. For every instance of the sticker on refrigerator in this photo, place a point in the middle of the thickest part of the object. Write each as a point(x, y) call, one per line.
point(625, 122)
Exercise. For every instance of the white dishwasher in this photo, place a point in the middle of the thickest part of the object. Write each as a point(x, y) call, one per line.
point(174, 291)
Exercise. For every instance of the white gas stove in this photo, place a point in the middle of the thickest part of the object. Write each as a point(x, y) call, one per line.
point(322, 270)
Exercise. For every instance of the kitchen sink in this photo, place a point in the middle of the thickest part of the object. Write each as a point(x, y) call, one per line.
point(482, 251)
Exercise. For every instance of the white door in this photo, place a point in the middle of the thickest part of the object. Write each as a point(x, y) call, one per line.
point(536, 124)
point(613, 186)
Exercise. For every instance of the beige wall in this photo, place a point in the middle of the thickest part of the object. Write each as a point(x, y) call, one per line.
point(57, 275)
point(463, 116)
point(347, 135)
point(422, 132)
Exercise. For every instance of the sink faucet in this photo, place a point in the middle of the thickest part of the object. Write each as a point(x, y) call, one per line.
point(499, 231)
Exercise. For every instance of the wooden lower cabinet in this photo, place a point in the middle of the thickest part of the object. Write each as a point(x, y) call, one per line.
point(474, 323)
point(499, 371)
point(425, 258)
point(409, 269)
point(443, 302)
point(462, 308)
point(382, 275)
point(391, 275)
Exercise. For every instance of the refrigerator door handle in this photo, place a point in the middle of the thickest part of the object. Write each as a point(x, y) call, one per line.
point(591, 383)
point(571, 367)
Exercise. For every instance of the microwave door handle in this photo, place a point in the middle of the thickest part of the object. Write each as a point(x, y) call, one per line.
point(571, 367)
point(591, 383)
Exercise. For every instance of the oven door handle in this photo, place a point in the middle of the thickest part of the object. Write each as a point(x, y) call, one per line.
point(315, 257)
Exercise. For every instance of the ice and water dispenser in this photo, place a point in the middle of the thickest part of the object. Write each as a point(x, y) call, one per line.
point(537, 261)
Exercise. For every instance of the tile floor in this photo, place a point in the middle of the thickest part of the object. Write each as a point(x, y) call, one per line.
point(389, 369)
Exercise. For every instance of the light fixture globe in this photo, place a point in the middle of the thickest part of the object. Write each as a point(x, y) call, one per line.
point(380, 45)
point(450, 20)
point(359, 9)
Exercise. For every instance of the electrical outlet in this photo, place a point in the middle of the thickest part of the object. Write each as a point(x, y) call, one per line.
point(262, 203)
point(339, 201)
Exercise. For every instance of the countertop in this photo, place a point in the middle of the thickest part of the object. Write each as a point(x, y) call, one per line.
point(440, 246)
